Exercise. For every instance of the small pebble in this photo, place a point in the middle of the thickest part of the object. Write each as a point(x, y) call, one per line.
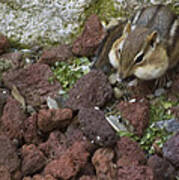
point(159, 92)
point(118, 93)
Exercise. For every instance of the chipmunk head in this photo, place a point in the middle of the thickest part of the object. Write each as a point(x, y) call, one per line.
point(140, 53)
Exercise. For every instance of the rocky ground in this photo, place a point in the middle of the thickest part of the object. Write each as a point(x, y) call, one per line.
point(72, 139)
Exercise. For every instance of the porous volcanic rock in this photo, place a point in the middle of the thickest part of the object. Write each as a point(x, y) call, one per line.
point(54, 119)
point(135, 172)
point(4, 173)
point(129, 151)
point(74, 133)
point(40, 177)
point(103, 162)
point(55, 146)
point(93, 89)
point(32, 134)
point(162, 169)
point(88, 42)
point(12, 121)
point(32, 83)
point(8, 154)
point(137, 113)
point(96, 128)
point(33, 159)
point(88, 178)
point(14, 58)
point(4, 43)
point(59, 53)
point(70, 163)
point(171, 150)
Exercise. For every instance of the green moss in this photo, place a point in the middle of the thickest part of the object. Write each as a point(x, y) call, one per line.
point(68, 73)
point(104, 9)
point(159, 111)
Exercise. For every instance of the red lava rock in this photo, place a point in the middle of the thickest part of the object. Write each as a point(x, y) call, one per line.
point(70, 163)
point(74, 133)
point(12, 121)
point(4, 44)
point(55, 146)
point(54, 119)
point(31, 134)
point(162, 169)
point(59, 53)
point(4, 173)
point(136, 113)
point(135, 172)
point(91, 90)
point(171, 150)
point(96, 128)
point(47, 177)
point(88, 178)
point(33, 159)
point(14, 58)
point(17, 175)
point(32, 82)
point(88, 42)
point(128, 151)
point(8, 154)
point(105, 168)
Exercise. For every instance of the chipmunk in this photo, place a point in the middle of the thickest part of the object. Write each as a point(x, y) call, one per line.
point(149, 44)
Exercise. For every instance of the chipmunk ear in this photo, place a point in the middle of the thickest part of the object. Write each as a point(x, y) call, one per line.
point(151, 38)
point(127, 29)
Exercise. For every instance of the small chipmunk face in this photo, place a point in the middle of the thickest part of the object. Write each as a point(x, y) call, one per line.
point(139, 53)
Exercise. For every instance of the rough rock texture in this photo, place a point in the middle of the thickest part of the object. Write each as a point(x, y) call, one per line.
point(59, 53)
point(4, 173)
point(12, 121)
point(88, 178)
point(128, 151)
point(91, 90)
point(4, 44)
point(55, 146)
point(8, 154)
point(14, 58)
point(74, 133)
point(32, 82)
point(171, 150)
point(54, 119)
point(162, 169)
point(32, 134)
point(69, 164)
point(103, 162)
point(3, 98)
point(135, 172)
point(88, 42)
point(40, 177)
point(96, 128)
point(33, 159)
point(136, 113)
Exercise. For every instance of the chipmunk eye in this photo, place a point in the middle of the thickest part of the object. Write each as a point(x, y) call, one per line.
point(139, 58)
point(119, 51)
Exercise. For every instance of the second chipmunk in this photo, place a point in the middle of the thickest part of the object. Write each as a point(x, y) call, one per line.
point(149, 45)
